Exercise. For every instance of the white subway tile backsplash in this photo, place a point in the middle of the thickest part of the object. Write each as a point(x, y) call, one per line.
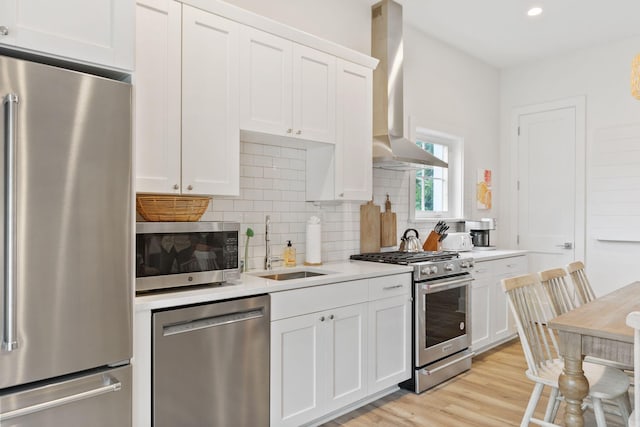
point(273, 181)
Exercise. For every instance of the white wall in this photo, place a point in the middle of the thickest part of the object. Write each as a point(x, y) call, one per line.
point(601, 74)
point(346, 22)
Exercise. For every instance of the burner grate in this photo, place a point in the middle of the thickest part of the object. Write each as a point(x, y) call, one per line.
point(406, 258)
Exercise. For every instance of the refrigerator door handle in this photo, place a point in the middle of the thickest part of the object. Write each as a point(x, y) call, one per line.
point(9, 336)
point(113, 385)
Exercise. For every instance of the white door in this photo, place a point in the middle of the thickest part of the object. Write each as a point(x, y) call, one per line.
point(266, 82)
point(210, 128)
point(353, 177)
point(314, 94)
point(389, 355)
point(97, 31)
point(550, 175)
point(297, 369)
point(345, 348)
point(157, 95)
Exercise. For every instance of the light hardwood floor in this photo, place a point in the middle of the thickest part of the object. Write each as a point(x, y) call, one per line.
point(493, 393)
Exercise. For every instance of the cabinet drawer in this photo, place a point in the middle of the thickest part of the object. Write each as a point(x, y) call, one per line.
point(511, 266)
point(389, 286)
point(317, 298)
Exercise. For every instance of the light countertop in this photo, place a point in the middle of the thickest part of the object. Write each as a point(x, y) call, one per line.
point(251, 284)
point(493, 254)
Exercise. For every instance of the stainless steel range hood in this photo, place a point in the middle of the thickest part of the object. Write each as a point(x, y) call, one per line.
point(391, 150)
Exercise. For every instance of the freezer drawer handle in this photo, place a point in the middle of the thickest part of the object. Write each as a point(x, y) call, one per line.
point(113, 385)
point(208, 322)
point(9, 335)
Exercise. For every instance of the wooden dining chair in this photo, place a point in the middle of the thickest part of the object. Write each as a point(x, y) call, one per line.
point(581, 282)
point(555, 283)
point(532, 311)
point(633, 320)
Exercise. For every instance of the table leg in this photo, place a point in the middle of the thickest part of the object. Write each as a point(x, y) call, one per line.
point(572, 382)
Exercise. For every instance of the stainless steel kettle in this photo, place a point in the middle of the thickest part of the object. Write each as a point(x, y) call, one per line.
point(410, 243)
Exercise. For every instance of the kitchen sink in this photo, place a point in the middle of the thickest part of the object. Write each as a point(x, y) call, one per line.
point(291, 275)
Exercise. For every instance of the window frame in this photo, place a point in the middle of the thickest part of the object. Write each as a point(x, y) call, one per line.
point(455, 185)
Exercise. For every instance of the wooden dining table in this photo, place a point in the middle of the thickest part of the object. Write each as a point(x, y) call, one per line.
point(596, 329)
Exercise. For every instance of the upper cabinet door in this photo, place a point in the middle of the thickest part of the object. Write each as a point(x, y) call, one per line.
point(157, 96)
point(314, 94)
point(210, 125)
point(99, 32)
point(266, 90)
point(354, 132)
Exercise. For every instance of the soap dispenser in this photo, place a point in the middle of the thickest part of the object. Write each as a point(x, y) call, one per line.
point(289, 255)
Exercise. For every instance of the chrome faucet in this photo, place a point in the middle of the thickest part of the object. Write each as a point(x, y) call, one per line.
point(268, 259)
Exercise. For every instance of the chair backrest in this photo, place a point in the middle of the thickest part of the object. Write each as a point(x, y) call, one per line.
point(527, 301)
point(555, 283)
point(633, 320)
point(581, 282)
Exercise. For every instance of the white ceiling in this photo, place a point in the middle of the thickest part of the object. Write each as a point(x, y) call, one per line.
point(500, 33)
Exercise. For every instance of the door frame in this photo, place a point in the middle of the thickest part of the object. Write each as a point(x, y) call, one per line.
point(578, 103)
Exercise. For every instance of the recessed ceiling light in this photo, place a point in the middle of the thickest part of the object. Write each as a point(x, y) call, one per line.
point(534, 11)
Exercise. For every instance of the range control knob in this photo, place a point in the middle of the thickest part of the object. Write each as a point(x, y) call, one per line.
point(448, 267)
point(434, 269)
point(466, 264)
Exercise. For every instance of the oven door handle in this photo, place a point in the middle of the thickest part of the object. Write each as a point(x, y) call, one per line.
point(429, 289)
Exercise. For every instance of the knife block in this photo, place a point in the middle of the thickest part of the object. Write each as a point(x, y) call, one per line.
point(432, 243)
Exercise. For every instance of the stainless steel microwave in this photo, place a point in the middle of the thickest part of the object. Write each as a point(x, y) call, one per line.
point(176, 254)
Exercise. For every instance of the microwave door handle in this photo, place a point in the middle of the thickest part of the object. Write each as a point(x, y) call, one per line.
point(9, 336)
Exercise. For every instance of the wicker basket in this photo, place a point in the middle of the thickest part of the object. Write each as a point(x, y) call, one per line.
point(158, 207)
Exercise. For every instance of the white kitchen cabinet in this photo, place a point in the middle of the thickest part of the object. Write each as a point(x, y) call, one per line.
point(97, 32)
point(334, 345)
point(317, 358)
point(186, 91)
point(287, 89)
point(210, 130)
point(157, 89)
point(389, 336)
point(491, 319)
point(344, 172)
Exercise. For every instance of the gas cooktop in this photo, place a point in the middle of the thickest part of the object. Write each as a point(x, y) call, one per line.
point(405, 258)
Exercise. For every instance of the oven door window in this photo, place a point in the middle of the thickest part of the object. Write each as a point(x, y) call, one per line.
point(446, 313)
point(174, 253)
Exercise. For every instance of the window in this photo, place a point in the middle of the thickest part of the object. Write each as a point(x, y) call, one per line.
point(436, 191)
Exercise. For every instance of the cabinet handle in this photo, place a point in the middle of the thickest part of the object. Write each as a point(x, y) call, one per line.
point(331, 317)
point(388, 288)
point(189, 187)
point(341, 195)
point(322, 318)
point(289, 130)
point(4, 31)
point(176, 186)
point(298, 132)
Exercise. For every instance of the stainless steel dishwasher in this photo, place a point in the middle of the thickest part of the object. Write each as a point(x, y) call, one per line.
point(211, 364)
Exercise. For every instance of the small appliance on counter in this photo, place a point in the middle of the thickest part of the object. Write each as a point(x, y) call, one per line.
point(460, 242)
point(480, 233)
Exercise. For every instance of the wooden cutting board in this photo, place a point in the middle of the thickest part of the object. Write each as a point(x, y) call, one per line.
point(369, 227)
point(388, 234)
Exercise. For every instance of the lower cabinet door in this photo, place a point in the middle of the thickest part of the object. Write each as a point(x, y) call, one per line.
point(389, 341)
point(317, 364)
point(295, 369)
point(345, 348)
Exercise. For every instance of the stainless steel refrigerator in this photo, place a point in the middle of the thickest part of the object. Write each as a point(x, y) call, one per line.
point(66, 294)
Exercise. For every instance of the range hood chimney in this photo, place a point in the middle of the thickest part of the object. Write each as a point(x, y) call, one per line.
point(391, 150)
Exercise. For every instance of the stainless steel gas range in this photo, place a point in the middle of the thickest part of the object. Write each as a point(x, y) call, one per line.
point(441, 313)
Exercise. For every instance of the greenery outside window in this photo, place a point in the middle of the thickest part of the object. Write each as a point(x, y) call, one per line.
point(437, 192)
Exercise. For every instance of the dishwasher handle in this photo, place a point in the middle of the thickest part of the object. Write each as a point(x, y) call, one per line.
point(212, 321)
